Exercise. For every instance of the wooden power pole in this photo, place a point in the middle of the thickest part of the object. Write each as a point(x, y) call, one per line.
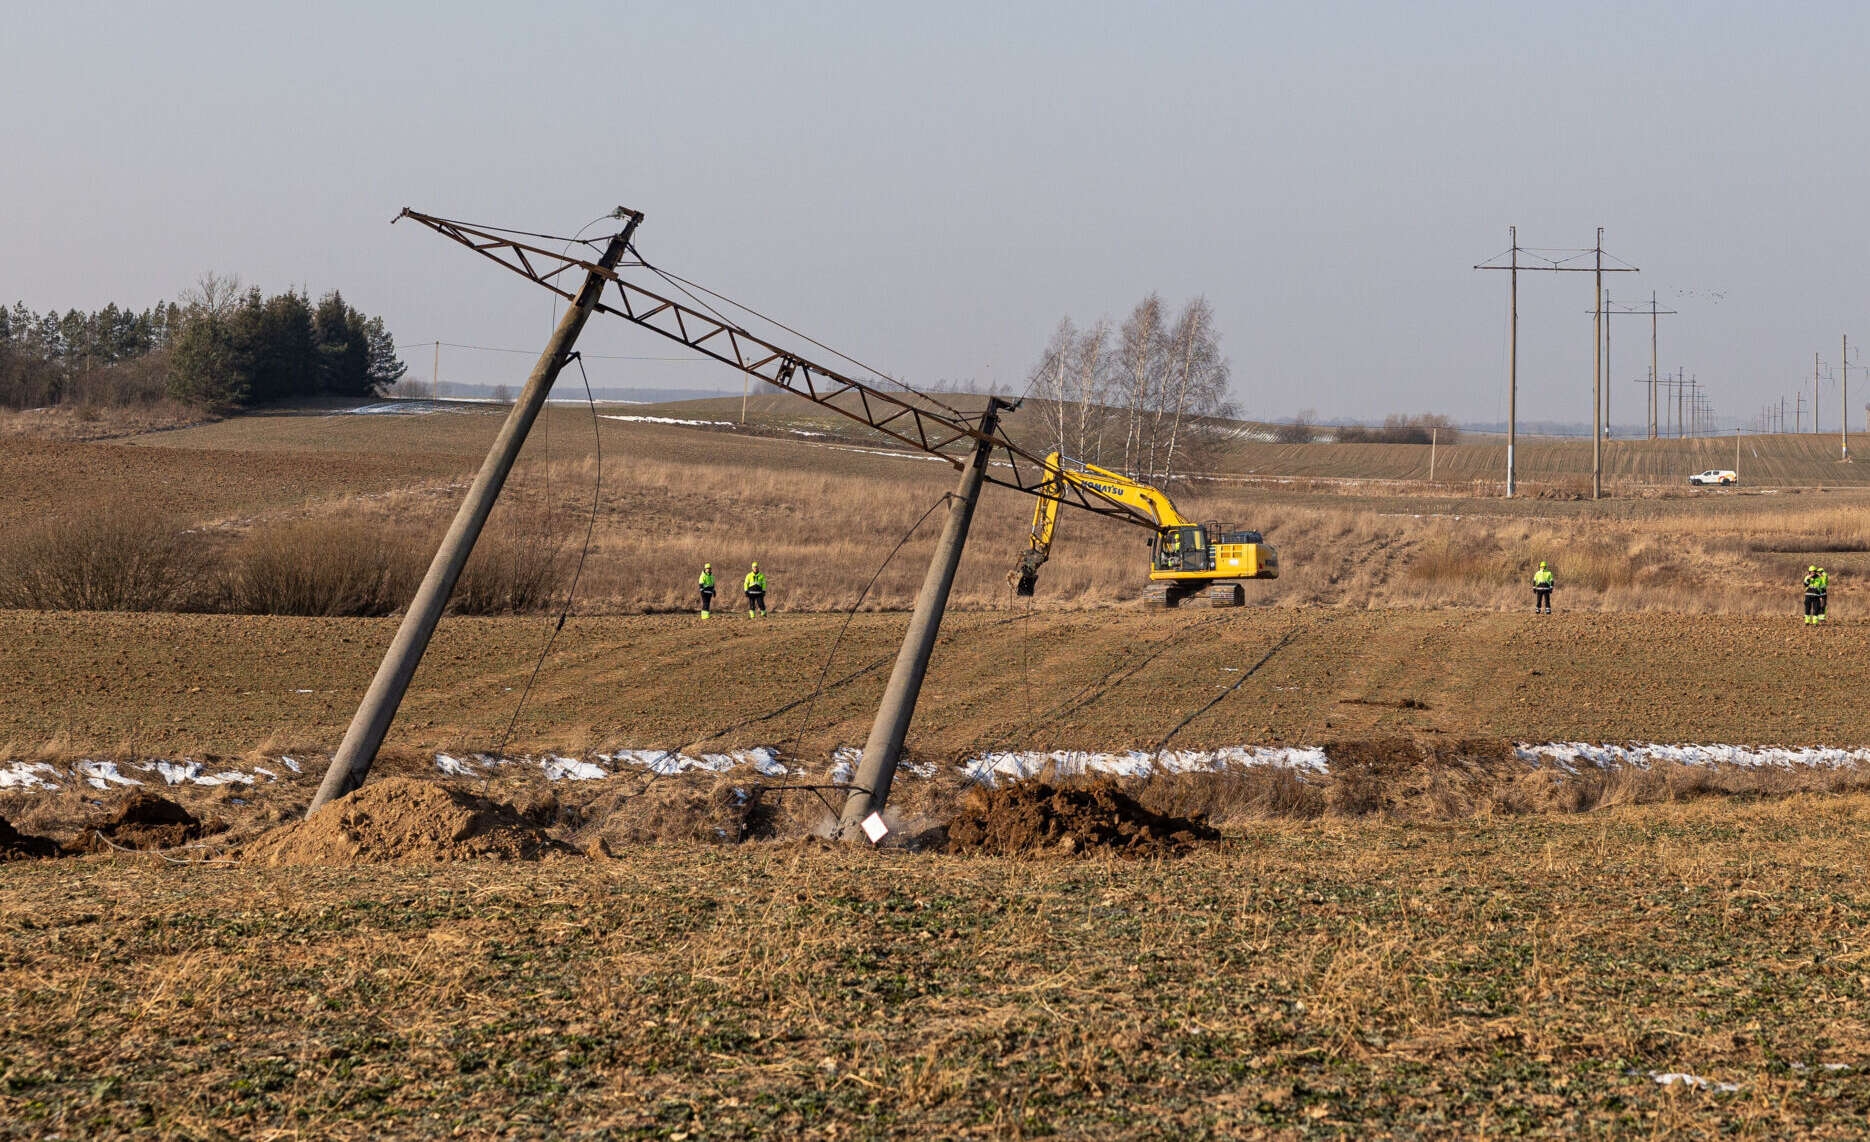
point(1597, 376)
point(1844, 401)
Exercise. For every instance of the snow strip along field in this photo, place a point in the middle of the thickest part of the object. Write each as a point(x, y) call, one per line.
point(41, 776)
point(1571, 756)
point(988, 769)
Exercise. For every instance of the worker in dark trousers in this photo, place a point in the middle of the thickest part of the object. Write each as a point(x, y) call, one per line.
point(706, 584)
point(1542, 583)
point(1824, 593)
point(755, 587)
point(1814, 595)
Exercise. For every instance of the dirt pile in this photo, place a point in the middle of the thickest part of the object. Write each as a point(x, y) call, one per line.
point(404, 820)
point(1034, 818)
point(146, 821)
point(15, 845)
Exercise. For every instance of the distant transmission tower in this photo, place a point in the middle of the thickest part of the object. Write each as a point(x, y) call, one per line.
point(1548, 263)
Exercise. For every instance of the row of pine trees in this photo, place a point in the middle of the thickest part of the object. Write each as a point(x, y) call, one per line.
point(222, 346)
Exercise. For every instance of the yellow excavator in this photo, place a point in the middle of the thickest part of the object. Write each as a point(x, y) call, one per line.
point(1187, 559)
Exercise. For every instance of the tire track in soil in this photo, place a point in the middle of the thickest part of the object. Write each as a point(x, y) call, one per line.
point(1387, 685)
point(829, 687)
point(1247, 673)
point(1120, 671)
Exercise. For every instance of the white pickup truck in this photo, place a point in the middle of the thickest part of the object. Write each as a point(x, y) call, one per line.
point(1715, 477)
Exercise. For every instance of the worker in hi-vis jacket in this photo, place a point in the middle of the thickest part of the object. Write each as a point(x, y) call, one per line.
point(755, 588)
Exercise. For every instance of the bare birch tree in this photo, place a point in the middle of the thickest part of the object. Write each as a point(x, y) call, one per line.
point(1139, 367)
point(1051, 381)
point(1197, 379)
point(1090, 386)
point(1163, 387)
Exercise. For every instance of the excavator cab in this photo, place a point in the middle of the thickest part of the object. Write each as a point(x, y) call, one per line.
point(1183, 549)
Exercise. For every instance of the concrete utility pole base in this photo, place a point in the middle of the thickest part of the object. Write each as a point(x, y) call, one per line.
point(371, 723)
point(884, 748)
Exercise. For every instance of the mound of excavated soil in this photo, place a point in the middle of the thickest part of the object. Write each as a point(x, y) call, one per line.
point(15, 845)
point(404, 820)
point(1033, 818)
point(146, 821)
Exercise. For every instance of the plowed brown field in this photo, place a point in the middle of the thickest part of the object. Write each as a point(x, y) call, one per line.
point(1120, 679)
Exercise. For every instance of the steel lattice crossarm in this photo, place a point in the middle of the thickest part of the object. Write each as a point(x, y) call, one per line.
point(894, 415)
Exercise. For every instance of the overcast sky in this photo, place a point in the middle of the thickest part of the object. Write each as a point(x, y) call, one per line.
point(933, 187)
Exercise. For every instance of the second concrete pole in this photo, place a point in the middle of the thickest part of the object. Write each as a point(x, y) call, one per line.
point(884, 748)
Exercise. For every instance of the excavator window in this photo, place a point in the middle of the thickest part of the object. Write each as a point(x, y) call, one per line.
point(1182, 549)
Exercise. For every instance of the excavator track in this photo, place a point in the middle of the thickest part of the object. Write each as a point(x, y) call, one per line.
point(1165, 593)
point(1225, 595)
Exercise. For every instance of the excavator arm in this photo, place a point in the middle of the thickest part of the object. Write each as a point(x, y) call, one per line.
point(1145, 505)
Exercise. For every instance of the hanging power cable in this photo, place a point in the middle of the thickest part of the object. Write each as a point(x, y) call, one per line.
point(682, 283)
point(806, 721)
point(597, 494)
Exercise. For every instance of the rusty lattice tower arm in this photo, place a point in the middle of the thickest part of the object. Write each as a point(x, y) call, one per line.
point(905, 417)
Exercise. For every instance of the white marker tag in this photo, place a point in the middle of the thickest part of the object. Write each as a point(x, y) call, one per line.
point(874, 828)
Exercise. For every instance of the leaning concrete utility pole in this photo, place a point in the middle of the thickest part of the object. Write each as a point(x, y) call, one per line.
point(1844, 401)
point(372, 720)
point(870, 788)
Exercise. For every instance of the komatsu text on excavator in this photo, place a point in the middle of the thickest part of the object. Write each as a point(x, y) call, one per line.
point(1187, 559)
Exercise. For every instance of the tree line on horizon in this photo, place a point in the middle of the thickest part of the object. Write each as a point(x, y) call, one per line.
point(221, 346)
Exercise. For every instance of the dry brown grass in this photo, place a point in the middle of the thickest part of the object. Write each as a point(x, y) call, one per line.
point(109, 559)
point(100, 420)
point(336, 565)
point(1323, 978)
point(820, 517)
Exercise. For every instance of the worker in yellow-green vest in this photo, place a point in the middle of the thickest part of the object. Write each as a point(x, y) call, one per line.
point(1817, 584)
point(755, 587)
point(706, 583)
point(1542, 583)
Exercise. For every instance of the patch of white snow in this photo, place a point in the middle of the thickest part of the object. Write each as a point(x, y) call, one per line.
point(571, 769)
point(670, 420)
point(1670, 1078)
point(175, 773)
point(844, 761)
point(28, 775)
point(992, 768)
point(103, 774)
point(1569, 756)
point(454, 767)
